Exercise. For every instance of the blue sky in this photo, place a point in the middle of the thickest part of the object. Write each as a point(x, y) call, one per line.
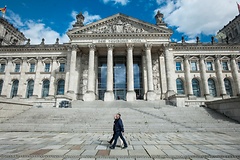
point(50, 19)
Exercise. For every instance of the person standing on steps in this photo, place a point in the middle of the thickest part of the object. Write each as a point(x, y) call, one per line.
point(118, 130)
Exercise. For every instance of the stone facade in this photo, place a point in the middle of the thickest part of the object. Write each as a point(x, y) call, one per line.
point(120, 57)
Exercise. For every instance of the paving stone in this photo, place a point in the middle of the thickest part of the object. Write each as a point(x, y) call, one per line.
point(41, 152)
point(120, 153)
point(102, 153)
point(57, 152)
point(138, 153)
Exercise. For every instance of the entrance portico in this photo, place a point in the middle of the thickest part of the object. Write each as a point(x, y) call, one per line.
point(119, 53)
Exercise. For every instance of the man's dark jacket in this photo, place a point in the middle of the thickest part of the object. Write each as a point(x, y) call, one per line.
point(118, 125)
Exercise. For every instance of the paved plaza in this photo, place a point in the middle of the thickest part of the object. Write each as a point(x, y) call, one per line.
point(152, 133)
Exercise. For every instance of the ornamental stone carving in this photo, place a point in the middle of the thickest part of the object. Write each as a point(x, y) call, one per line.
point(156, 78)
point(118, 26)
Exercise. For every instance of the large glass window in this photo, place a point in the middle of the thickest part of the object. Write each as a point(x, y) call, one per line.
point(62, 67)
point(212, 87)
point(17, 67)
point(225, 65)
point(209, 66)
point(196, 88)
point(102, 77)
point(178, 66)
point(60, 87)
point(32, 67)
point(137, 61)
point(1, 86)
point(194, 66)
point(45, 88)
point(14, 88)
point(47, 67)
point(2, 67)
point(228, 87)
point(30, 87)
point(180, 86)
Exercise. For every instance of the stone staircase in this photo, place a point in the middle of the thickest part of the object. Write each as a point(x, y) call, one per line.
point(138, 116)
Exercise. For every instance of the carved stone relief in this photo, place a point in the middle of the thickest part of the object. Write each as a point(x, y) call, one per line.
point(117, 26)
point(156, 78)
point(84, 78)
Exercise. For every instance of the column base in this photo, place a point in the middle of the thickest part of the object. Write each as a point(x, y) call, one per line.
point(208, 97)
point(108, 96)
point(89, 96)
point(131, 96)
point(225, 96)
point(191, 97)
point(169, 93)
point(72, 95)
point(151, 96)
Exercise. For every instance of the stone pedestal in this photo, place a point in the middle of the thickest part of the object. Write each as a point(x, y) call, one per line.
point(108, 96)
point(151, 96)
point(89, 96)
point(131, 96)
point(170, 93)
point(191, 97)
point(208, 97)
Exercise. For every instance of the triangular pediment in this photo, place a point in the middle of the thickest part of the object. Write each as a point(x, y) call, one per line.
point(120, 24)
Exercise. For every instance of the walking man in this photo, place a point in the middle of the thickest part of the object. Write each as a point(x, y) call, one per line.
point(118, 130)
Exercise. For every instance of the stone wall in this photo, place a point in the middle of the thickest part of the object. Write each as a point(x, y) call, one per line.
point(228, 107)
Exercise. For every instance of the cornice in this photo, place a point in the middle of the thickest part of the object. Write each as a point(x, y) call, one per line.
point(204, 47)
point(31, 48)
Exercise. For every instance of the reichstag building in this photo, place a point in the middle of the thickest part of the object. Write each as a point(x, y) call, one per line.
point(119, 58)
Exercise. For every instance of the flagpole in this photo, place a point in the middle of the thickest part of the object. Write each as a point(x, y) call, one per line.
point(238, 5)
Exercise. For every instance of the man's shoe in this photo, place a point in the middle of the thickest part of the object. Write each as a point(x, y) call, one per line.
point(112, 147)
point(124, 147)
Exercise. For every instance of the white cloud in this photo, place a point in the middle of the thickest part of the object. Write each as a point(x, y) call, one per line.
point(122, 2)
point(194, 17)
point(36, 30)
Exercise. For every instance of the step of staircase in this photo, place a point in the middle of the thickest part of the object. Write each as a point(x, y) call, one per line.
point(139, 116)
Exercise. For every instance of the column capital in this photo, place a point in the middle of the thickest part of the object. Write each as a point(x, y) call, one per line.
point(110, 46)
point(217, 57)
point(130, 46)
point(24, 59)
point(92, 47)
point(148, 46)
point(202, 57)
point(233, 57)
point(39, 58)
point(186, 57)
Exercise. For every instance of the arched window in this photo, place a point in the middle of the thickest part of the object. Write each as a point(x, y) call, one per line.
point(212, 87)
point(60, 87)
point(1, 86)
point(45, 88)
point(228, 87)
point(14, 88)
point(180, 86)
point(196, 88)
point(30, 87)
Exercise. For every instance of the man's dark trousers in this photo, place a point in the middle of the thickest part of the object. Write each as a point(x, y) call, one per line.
point(119, 134)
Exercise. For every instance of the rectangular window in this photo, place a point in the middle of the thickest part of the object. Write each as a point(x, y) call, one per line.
point(194, 66)
point(32, 67)
point(178, 66)
point(238, 65)
point(47, 67)
point(62, 67)
point(17, 67)
point(225, 66)
point(2, 68)
point(209, 66)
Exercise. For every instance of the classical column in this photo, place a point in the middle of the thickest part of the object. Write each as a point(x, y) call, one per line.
point(189, 90)
point(73, 82)
point(52, 78)
point(131, 95)
point(235, 74)
point(169, 71)
point(108, 95)
point(220, 77)
point(151, 95)
point(90, 95)
point(144, 72)
point(22, 89)
point(37, 87)
point(204, 78)
point(6, 91)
